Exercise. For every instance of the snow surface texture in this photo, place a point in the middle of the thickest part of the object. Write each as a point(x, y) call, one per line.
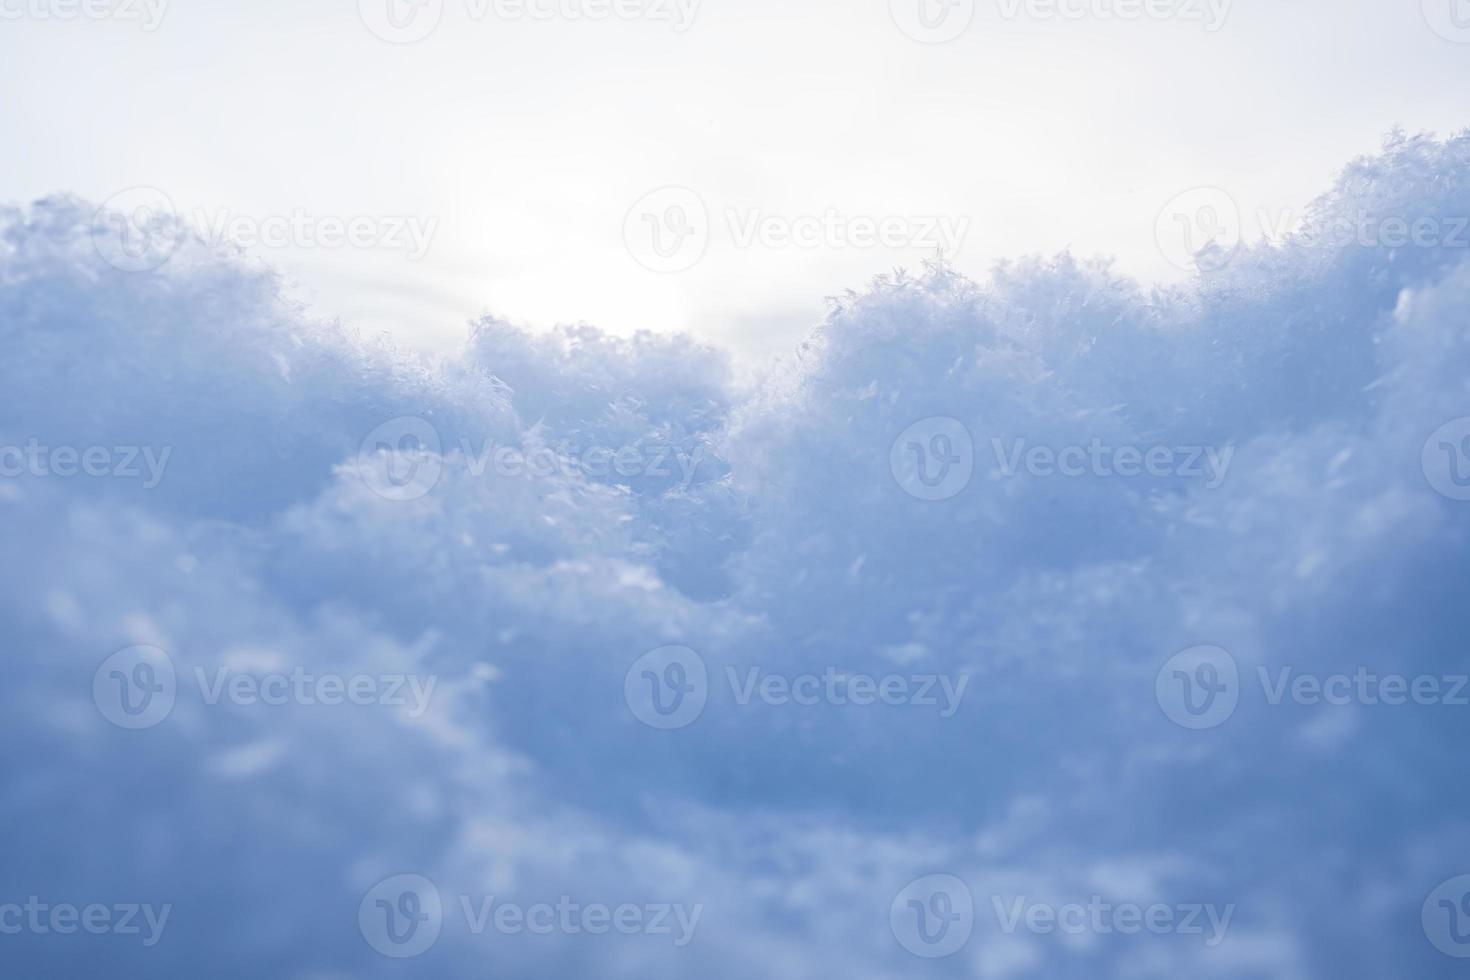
point(280, 536)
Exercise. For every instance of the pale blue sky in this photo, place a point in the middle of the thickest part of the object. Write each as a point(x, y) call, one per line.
point(528, 141)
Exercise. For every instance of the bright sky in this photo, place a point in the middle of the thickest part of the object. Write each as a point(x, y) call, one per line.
point(810, 144)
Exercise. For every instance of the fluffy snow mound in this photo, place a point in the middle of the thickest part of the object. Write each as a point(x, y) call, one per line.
point(1008, 505)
